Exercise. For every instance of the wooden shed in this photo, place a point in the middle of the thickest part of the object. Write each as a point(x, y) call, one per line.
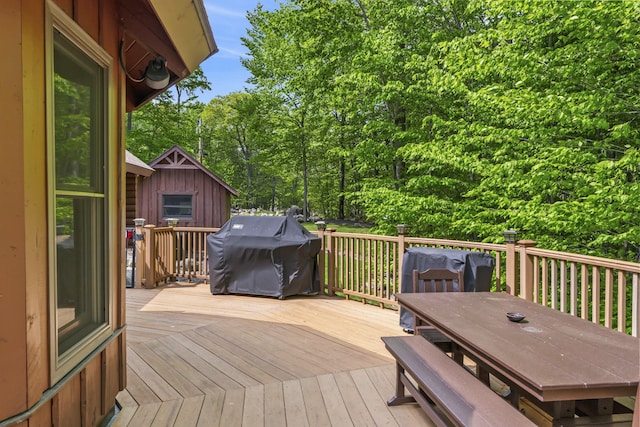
point(182, 188)
point(71, 71)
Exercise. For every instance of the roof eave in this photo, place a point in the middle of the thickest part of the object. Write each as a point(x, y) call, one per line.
point(178, 30)
point(187, 24)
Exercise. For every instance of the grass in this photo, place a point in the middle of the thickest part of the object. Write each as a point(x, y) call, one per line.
point(339, 228)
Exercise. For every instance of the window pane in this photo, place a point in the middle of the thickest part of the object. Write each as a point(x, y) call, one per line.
point(78, 101)
point(80, 268)
point(177, 206)
point(80, 218)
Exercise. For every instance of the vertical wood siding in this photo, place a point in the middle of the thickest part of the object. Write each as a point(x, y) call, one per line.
point(13, 344)
point(24, 321)
point(131, 193)
point(210, 200)
point(35, 173)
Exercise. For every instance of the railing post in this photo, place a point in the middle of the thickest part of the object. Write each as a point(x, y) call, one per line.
point(403, 229)
point(331, 272)
point(510, 238)
point(526, 270)
point(139, 242)
point(149, 280)
point(321, 266)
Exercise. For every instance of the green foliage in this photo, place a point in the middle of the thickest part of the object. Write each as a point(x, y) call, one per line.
point(168, 120)
point(461, 118)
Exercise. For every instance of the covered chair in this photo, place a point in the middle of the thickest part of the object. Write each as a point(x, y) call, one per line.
point(437, 280)
point(477, 270)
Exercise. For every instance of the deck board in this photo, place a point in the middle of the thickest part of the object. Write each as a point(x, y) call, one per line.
point(190, 411)
point(339, 414)
point(195, 359)
point(274, 405)
point(211, 411)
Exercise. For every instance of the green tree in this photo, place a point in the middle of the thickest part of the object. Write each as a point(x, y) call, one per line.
point(238, 133)
point(552, 92)
point(169, 119)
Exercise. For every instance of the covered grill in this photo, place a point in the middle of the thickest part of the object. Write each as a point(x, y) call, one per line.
point(263, 255)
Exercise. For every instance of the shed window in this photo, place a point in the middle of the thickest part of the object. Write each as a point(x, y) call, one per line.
point(177, 206)
point(79, 210)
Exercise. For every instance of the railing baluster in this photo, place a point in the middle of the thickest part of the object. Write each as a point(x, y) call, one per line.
point(584, 287)
point(554, 284)
point(563, 286)
point(574, 289)
point(608, 298)
point(635, 306)
point(595, 295)
point(545, 281)
point(622, 301)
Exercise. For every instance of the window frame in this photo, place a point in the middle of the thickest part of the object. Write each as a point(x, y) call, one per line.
point(85, 340)
point(180, 217)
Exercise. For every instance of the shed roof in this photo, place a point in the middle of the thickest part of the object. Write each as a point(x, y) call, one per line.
point(137, 166)
point(177, 158)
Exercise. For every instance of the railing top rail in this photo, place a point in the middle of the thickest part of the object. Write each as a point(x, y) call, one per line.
point(586, 259)
point(365, 236)
point(198, 229)
point(457, 243)
point(160, 229)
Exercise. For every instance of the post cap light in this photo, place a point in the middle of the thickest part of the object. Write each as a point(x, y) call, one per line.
point(402, 229)
point(321, 225)
point(138, 222)
point(172, 222)
point(510, 236)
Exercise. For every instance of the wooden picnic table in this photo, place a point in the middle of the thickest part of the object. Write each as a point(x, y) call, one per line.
point(555, 359)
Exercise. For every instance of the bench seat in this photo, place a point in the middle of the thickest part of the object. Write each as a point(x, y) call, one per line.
point(445, 390)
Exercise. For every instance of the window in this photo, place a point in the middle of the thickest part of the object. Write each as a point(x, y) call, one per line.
point(79, 208)
point(177, 206)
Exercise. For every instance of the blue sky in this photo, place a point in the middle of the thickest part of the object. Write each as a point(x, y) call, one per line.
point(228, 22)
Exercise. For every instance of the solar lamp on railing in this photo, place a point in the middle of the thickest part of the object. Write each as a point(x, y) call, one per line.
point(403, 229)
point(139, 223)
point(510, 236)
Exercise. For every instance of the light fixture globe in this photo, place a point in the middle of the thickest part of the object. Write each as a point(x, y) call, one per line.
point(156, 76)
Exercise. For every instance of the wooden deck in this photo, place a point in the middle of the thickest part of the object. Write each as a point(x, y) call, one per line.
point(195, 359)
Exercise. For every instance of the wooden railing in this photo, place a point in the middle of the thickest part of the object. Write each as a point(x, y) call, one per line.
point(192, 253)
point(368, 268)
point(598, 289)
point(169, 253)
point(155, 254)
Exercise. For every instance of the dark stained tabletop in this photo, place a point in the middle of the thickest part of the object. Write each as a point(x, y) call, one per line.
point(552, 355)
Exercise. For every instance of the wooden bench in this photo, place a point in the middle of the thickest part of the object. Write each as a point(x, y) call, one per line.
point(445, 390)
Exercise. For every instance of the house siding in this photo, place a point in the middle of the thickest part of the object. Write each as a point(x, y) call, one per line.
point(25, 374)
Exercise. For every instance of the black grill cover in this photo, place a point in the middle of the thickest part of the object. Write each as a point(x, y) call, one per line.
point(263, 255)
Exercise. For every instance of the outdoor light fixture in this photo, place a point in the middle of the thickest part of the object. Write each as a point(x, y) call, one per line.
point(156, 75)
point(510, 236)
point(321, 225)
point(402, 229)
point(172, 222)
point(139, 223)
